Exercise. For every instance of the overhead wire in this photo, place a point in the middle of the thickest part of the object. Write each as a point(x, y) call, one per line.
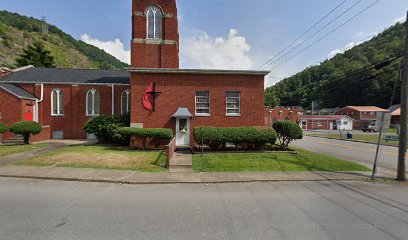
point(326, 35)
point(314, 34)
point(304, 33)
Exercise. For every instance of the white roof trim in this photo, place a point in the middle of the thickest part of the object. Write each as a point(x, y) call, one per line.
point(68, 83)
point(197, 71)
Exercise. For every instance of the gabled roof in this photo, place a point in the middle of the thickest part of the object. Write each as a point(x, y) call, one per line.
point(16, 91)
point(68, 76)
point(323, 117)
point(366, 108)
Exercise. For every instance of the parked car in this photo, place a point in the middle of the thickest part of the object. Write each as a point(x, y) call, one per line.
point(368, 129)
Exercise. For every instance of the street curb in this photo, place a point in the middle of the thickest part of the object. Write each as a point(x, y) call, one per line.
point(346, 140)
point(362, 179)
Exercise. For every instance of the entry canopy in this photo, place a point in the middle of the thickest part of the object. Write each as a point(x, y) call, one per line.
point(182, 112)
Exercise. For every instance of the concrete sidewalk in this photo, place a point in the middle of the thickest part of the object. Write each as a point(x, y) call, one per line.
point(131, 177)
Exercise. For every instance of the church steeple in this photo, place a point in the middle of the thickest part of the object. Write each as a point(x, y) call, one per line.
point(155, 37)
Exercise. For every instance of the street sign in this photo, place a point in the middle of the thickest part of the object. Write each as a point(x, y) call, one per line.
point(380, 124)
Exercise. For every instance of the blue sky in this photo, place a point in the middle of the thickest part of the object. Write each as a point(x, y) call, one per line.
point(223, 33)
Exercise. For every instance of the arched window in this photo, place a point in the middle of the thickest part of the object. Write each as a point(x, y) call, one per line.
point(125, 101)
point(92, 103)
point(154, 22)
point(57, 102)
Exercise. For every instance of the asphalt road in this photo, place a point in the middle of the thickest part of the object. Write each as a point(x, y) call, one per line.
point(42, 210)
point(353, 151)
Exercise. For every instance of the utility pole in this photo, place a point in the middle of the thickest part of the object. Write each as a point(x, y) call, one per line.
point(403, 144)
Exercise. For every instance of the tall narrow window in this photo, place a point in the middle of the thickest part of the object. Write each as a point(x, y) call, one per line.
point(154, 22)
point(125, 102)
point(203, 103)
point(233, 103)
point(92, 103)
point(57, 102)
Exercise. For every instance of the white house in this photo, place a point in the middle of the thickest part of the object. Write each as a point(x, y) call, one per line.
point(326, 122)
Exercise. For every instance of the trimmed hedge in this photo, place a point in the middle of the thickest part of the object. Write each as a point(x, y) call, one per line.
point(3, 128)
point(142, 134)
point(105, 128)
point(252, 137)
point(287, 132)
point(26, 129)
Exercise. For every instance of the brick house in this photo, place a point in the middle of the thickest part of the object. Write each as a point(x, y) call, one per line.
point(325, 122)
point(362, 115)
point(155, 92)
point(280, 114)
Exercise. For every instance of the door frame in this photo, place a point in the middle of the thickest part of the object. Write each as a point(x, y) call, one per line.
point(186, 138)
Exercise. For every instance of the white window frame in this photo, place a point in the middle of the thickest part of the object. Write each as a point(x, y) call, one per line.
point(209, 104)
point(127, 92)
point(226, 104)
point(60, 109)
point(154, 9)
point(93, 92)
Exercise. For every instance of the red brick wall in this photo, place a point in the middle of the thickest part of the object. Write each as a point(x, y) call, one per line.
point(150, 54)
point(45, 134)
point(11, 111)
point(178, 90)
point(280, 114)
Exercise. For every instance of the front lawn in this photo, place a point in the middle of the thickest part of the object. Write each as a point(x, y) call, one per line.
point(9, 150)
point(101, 157)
point(242, 162)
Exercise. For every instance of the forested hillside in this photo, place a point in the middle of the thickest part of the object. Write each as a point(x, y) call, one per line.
point(17, 32)
point(363, 75)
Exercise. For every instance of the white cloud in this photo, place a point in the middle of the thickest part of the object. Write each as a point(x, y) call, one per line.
point(115, 47)
point(342, 50)
point(400, 19)
point(202, 51)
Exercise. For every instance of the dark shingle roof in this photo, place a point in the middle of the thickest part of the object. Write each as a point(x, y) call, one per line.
point(16, 91)
point(66, 76)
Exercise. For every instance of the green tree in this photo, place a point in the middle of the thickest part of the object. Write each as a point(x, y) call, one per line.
point(36, 55)
point(26, 129)
point(347, 78)
point(271, 99)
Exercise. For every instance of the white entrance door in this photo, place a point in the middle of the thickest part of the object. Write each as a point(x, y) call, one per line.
point(183, 131)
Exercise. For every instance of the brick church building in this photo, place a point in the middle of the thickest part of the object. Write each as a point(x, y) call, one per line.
point(155, 92)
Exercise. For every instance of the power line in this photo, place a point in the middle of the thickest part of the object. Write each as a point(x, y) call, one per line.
point(378, 65)
point(303, 34)
point(326, 35)
point(317, 32)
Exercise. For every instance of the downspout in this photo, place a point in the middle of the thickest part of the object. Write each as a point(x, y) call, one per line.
point(113, 99)
point(37, 119)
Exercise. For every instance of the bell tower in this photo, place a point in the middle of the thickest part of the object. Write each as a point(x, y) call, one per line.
point(155, 37)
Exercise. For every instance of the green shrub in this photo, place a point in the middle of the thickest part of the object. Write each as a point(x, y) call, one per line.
point(105, 128)
point(253, 137)
point(287, 132)
point(142, 134)
point(3, 128)
point(26, 129)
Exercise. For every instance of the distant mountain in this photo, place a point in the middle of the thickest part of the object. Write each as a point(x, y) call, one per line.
point(17, 31)
point(351, 78)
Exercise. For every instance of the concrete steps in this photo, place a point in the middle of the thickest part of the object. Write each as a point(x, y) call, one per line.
point(14, 141)
point(182, 161)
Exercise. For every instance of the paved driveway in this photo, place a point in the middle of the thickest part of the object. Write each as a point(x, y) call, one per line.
point(48, 210)
point(353, 151)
